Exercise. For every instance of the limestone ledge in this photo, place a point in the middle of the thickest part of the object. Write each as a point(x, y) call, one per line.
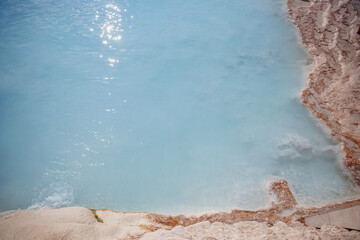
point(284, 219)
point(329, 30)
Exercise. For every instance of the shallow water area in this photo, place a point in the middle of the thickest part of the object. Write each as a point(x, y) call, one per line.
point(157, 106)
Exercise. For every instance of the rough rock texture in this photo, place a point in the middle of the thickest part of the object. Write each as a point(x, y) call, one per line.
point(328, 29)
point(280, 194)
point(251, 230)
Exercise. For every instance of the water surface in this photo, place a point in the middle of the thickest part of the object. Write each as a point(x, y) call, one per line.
point(168, 106)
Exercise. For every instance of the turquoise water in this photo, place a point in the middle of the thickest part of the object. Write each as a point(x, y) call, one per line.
point(168, 106)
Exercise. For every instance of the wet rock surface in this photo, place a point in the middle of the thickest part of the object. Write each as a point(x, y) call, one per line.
point(328, 29)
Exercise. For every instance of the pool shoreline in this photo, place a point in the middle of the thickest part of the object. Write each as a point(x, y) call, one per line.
point(284, 217)
point(329, 33)
point(330, 94)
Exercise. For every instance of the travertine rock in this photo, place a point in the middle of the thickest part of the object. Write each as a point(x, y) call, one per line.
point(280, 194)
point(328, 29)
point(251, 230)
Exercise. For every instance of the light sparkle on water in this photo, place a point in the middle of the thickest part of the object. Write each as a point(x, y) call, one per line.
point(156, 106)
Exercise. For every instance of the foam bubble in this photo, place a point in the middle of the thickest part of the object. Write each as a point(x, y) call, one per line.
point(295, 147)
point(60, 196)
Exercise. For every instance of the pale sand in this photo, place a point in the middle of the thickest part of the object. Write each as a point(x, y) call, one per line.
point(328, 29)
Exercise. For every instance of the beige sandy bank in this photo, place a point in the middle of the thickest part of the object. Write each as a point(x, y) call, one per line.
point(69, 223)
point(80, 223)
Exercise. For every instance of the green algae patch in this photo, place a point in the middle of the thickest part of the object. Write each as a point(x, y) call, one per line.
point(96, 216)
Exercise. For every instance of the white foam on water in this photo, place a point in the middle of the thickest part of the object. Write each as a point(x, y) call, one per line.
point(55, 197)
point(295, 147)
